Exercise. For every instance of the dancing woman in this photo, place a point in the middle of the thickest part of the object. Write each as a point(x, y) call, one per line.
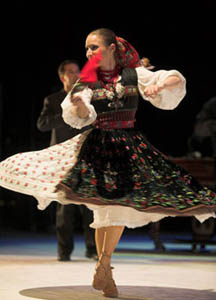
point(111, 167)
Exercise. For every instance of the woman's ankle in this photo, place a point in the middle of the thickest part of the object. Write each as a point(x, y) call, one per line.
point(105, 259)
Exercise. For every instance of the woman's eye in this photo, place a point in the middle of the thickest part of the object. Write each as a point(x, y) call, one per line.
point(93, 47)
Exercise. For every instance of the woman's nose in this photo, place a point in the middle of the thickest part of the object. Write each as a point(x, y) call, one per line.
point(89, 53)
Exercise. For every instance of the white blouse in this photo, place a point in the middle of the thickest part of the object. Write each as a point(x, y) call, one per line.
point(166, 99)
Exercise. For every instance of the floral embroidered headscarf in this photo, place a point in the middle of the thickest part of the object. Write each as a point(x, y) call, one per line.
point(127, 56)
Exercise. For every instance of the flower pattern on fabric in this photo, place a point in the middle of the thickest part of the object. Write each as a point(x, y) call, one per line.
point(101, 93)
point(122, 167)
point(37, 173)
point(127, 56)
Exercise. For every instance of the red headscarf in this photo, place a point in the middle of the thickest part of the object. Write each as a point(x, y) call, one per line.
point(127, 57)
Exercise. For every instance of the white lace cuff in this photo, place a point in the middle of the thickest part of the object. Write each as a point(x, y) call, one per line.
point(69, 111)
point(166, 99)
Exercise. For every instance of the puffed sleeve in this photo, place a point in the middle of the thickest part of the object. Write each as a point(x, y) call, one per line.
point(166, 99)
point(69, 111)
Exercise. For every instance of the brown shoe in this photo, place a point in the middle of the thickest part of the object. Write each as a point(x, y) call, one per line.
point(100, 277)
point(110, 289)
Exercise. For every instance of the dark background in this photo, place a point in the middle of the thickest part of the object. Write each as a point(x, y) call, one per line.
point(170, 33)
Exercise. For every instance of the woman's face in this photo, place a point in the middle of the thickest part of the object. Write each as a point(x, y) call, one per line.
point(94, 44)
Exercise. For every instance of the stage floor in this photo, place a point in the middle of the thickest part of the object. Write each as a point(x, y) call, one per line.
point(29, 270)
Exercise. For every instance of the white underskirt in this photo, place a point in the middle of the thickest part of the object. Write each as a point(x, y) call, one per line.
point(126, 216)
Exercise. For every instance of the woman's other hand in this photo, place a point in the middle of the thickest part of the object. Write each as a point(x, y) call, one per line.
point(82, 110)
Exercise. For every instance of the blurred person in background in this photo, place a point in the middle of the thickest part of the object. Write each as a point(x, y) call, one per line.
point(50, 119)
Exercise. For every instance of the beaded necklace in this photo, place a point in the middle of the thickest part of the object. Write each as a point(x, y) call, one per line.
point(114, 89)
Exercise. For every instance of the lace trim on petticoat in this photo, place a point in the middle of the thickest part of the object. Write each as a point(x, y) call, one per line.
point(144, 221)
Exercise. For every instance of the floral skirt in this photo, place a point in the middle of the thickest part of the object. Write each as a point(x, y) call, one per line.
point(121, 168)
point(116, 173)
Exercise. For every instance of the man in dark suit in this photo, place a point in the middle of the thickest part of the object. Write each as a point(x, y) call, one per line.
point(50, 119)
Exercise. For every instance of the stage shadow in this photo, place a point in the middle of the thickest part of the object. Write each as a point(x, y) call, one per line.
point(125, 293)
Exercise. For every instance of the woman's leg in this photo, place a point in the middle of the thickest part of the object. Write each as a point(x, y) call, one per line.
point(106, 240)
point(112, 235)
point(99, 239)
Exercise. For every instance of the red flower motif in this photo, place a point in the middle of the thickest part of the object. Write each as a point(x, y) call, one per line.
point(189, 201)
point(143, 145)
point(93, 181)
point(134, 156)
point(143, 204)
point(212, 194)
point(107, 186)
